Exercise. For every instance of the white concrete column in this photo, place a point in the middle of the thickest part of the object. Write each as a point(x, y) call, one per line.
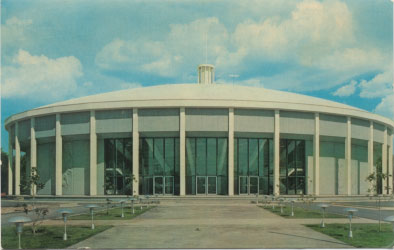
point(93, 154)
point(33, 152)
point(316, 154)
point(136, 140)
point(182, 152)
point(17, 160)
point(231, 152)
point(276, 153)
point(384, 161)
point(390, 166)
point(59, 157)
point(10, 165)
point(348, 155)
point(370, 153)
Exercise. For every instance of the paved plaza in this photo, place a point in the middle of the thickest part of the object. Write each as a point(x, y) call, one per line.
point(211, 224)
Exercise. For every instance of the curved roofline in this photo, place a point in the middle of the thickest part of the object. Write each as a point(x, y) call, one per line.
point(201, 96)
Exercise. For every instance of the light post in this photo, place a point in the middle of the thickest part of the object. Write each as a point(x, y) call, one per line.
point(265, 200)
point(91, 208)
point(257, 199)
point(19, 220)
point(292, 208)
point(121, 205)
point(65, 212)
point(391, 220)
point(273, 204)
point(323, 207)
point(147, 200)
point(132, 199)
point(281, 200)
point(350, 212)
point(141, 203)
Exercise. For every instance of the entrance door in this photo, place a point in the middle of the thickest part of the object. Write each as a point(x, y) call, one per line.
point(243, 185)
point(158, 185)
point(253, 184)
point(169, 184)
point(201, 184)
point(212, 182)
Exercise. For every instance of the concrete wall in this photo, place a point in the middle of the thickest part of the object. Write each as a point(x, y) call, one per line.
point(332, 168)
point(75, 123)
point(24, 130)
point(206, 120)
point(359, 169)
point(45, 126)
point(253, 120)
point(297, 123)
point(114, 121)
point(76, 167)
point(333, 125)
point(378, 132)
point(360, 129)
point(46, 166)
point(151, 120)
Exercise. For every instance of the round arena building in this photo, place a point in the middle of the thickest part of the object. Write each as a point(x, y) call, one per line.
point(200, 139)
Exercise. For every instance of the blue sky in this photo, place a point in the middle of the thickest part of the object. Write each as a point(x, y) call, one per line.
point(56, 50)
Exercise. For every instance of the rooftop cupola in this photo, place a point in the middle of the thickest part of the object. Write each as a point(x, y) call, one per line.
point(206, 74)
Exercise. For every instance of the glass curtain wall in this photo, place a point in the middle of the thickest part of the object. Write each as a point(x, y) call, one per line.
point(159, 166)
point(118, 177)
point(253, 166)
point(292, 166)
point(206, 166)
point(378, 170)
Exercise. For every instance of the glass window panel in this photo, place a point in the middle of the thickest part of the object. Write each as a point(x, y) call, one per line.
point(190, 185)
point(291, 182)
point(177, 157)
point(119, 166)
point(242, 157)
point(211, 156)
point(271, 157)
point(271, 184)
point(263, 185)
point(235, 158)
point(158, 156)
point(253, 157)
point(169, 165)
point(300, 185)
point(222, 157)
point(190, 156)
point(222, 185)
point(283, 158)
point(291, 158)
point(262, 171)
point(282, 185)
point(300, 163)
point(201, 159)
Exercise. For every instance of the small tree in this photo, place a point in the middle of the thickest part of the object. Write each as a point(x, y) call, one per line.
point(33, 183)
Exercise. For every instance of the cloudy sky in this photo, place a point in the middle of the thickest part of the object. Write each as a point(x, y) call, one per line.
point(57, 50)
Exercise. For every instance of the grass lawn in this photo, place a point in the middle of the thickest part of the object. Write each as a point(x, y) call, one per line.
point(301, 213)
point(47, 236)
point(113, 214)
point(364, 235)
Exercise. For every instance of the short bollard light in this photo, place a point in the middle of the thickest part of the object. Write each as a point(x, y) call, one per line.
point(273, 204)
point(65, 212)
point(292, 207)
point(121, 205)
point(323, 207)
point(147, 200)
point(91, 208)
point(140, 203)
point(265, 200)
point(350, 212)
point(132, 199)
point(19, 220)
point(257, 198)
point(391, 220)
point(281, 200)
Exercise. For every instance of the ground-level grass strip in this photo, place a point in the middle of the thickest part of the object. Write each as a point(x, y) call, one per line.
point(300, 213)
point(47, 236)
point(364, 235)
point(113, 214)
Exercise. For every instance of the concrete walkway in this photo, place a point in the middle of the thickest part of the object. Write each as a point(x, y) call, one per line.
point(214, 225)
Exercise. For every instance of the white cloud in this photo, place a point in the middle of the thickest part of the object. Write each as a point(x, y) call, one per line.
point(386, 106)
point(346, 90)
point(14, 30)
point(39, 77)
point(379, 86)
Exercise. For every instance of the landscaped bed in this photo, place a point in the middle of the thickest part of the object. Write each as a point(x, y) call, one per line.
point(301, 213)
point(47, 236)
point(364, 235)
point(113, 213)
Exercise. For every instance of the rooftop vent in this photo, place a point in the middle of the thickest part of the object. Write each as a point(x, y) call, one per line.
point(206, 74)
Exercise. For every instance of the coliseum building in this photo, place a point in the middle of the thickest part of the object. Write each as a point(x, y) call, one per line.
point(199, 139)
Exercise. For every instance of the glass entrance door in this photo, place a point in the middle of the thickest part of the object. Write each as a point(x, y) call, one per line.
point(158, 185)
point(253, 184)
point(201, 184)
point(243, 185)
point(169, 184)
point(212, 181)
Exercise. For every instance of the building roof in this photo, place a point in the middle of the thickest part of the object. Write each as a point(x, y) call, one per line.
point(200, 95)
